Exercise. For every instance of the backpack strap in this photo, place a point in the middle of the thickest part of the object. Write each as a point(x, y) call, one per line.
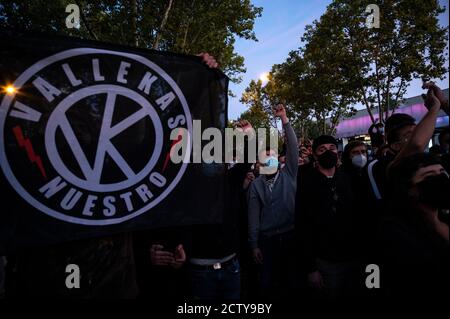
point(372, 180)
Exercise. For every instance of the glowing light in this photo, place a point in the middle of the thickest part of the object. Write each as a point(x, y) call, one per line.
point(10, 89)
point(264, 77)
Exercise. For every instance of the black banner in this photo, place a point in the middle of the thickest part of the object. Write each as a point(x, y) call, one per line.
point(85, 136)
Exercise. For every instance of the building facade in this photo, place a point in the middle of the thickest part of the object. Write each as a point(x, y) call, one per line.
point(357, 126)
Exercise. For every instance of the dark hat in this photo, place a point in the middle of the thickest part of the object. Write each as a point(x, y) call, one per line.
point(398, 120)
point(323, 139)
point(395, 122)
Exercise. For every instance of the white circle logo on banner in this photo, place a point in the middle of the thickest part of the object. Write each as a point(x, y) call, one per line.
point(95, 147)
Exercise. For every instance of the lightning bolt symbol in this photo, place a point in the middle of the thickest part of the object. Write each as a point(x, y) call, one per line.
point(26, 144)
point(175, 142)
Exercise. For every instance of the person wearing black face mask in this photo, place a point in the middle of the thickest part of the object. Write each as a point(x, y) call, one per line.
point(413, 241)
point(326, 225)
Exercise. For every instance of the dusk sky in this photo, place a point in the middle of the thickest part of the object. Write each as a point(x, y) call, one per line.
point(279, 30)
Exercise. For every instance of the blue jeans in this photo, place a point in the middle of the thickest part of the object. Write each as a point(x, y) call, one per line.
point(216, 284)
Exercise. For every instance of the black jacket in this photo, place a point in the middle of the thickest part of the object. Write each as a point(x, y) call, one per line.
point(221, 240)
point(326, 223)
point(413, 261)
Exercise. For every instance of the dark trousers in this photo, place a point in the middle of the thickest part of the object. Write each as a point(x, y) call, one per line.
point(216, 284)
point(2, 275)
point(344, 279)
point(278, 272)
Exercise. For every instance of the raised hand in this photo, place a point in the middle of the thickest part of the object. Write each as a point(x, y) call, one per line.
point(250, 177)
point(244, 125)
point(438, 93)
point(431, 100)
point(280, 111)
point(209, 60)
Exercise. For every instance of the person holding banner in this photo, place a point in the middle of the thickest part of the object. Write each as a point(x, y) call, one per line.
point(214, 265)
point(95, 265)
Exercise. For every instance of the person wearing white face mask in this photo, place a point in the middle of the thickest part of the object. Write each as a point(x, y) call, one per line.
point(354, 160)
point(271, 216)
point(354, 163)
point(359, 161)
point(356, 152)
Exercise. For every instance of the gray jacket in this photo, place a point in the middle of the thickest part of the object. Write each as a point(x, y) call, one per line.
point(272, 212)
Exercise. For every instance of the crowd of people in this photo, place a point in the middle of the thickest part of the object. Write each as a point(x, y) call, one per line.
point(307, 224)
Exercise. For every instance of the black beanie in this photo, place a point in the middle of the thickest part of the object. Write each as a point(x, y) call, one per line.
point(323, 139)
point(395, 122)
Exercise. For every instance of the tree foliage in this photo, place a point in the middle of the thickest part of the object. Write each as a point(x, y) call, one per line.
point(342, 62)
point(179, 26)
point(259, 111)
point(376, 65)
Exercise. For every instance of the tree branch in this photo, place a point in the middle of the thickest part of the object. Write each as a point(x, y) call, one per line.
point(367, 103)
point(163, 24)
point(388, 89)
point(134, 15)
point(377, 74)
point(83, 18)
point(397, 95)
